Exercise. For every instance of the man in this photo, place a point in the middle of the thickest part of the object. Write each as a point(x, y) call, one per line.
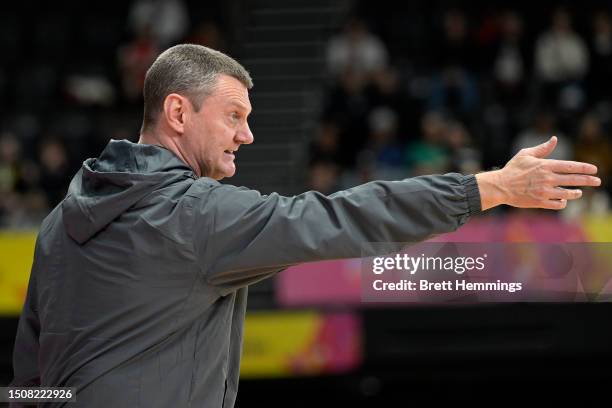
point(138, 291)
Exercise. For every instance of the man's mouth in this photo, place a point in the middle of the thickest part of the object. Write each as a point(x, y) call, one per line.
point(230, 152)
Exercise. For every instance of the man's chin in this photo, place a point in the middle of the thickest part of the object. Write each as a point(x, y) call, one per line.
point(226, 174)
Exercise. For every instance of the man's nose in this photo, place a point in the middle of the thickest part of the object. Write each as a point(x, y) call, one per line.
point(245, 136)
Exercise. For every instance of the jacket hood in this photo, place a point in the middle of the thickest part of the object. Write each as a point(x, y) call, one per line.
point(106, 187)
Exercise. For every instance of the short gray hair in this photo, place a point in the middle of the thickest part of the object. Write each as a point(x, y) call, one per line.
point(189, 70)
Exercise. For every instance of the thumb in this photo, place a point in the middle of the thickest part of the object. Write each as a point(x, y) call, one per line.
point(542, 150)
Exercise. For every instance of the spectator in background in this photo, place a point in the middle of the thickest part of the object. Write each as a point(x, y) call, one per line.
point(595, 146)
point(21, 204)
point(324, 176)
point(323, 167)
point(357, 49)
point(10, 156)
point(386, 90)
point(55, 171)
point(326, 145)
point(599, 85)
point(23, 211)
point(455, 47)
point(155, 24)
point(561, 61)
point(429, 155)
point(383, 156)
point(207, 33)
point(463, 157)
point(510, 62)
point(134, 60)
point(167, 20)
point(544, 126)
point(453, 88)
point(348, 106)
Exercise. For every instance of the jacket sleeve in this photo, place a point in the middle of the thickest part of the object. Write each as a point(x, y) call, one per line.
point(25, 354)
point(247, 236)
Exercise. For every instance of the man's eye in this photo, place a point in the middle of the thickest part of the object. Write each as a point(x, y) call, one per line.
point(235, 116)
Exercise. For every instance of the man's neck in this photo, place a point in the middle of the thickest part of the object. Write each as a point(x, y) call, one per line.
point(152, 138)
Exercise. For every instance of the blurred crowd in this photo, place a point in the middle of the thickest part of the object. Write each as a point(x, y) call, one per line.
point(72, 80)
point(478, 87)
point(413, 91)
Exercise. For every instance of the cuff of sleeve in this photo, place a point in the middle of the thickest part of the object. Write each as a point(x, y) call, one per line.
point(472, 193)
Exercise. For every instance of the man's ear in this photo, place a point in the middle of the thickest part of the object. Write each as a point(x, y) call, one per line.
point(175, 111)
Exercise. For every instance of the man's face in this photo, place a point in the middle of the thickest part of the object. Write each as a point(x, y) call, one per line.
point(215, 133)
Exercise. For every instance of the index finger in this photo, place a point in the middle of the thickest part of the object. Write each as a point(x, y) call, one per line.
point(567, 166)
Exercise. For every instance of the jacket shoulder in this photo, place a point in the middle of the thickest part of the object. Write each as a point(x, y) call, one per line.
point(202, 187)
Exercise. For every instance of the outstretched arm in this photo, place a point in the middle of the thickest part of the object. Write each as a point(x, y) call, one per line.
point(244, 236)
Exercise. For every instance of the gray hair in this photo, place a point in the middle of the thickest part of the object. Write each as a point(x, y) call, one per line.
point(189, 70)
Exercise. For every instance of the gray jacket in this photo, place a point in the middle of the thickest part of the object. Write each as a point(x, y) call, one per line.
point(138, 291)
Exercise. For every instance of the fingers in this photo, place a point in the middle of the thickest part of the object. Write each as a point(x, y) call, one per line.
point(553, 204)
point(563, 166)
point(575, 180)
point(542, 150)
point(562, 193)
